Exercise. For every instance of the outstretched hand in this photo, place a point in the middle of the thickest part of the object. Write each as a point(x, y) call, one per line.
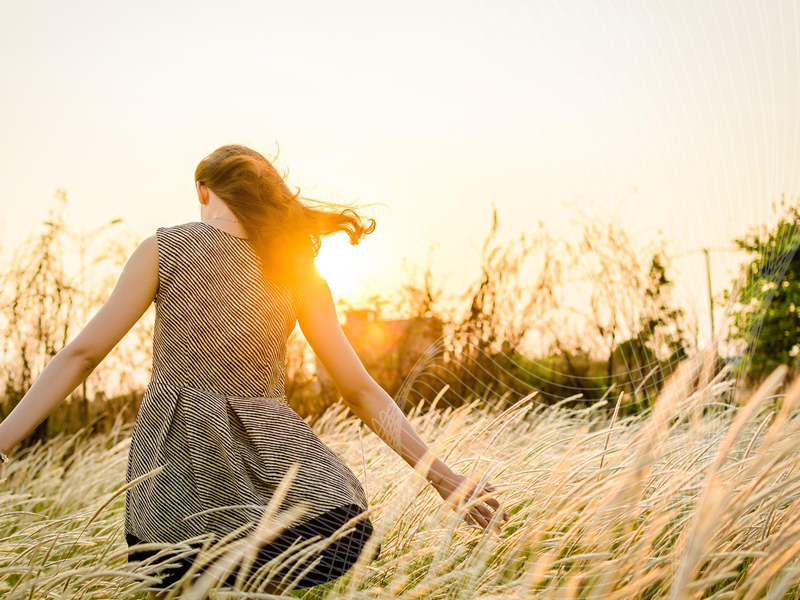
point(457, 490)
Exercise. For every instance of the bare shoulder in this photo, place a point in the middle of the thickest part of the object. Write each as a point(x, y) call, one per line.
point(149, 244)
point(316, 294)
point(315, 287)
point(314, 279)
point(145, 256)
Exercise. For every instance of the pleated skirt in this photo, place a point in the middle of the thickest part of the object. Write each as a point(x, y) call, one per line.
point(336, 558)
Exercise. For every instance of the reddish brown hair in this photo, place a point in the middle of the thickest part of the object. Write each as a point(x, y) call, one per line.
point(286, 233)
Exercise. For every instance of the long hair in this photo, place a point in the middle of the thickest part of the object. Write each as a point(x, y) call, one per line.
point(286, 233)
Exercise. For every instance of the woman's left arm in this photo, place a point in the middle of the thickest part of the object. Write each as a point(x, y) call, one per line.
point(132, 295)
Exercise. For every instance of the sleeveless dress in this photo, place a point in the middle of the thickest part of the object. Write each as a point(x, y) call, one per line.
point(214, 413)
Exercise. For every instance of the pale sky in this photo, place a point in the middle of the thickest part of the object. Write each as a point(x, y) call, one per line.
point(675, 115)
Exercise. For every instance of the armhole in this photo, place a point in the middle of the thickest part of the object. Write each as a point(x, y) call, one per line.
point(161, 274)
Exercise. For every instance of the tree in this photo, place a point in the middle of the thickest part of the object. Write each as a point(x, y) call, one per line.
point(765, 323)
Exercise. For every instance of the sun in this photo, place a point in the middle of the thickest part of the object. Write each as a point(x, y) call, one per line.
point(343, 266)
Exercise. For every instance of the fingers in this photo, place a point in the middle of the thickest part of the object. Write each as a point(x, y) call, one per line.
point(482, 506)
point(481, 515)
point(478, 518)
point(491, 501)
point(487, 516)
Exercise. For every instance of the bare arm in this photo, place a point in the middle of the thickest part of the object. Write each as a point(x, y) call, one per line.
point(368, 400)
point(130, 298)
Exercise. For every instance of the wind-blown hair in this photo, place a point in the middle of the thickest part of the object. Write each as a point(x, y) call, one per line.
point(286, 232)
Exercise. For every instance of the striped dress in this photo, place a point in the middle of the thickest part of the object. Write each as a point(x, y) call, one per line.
point(214, 414)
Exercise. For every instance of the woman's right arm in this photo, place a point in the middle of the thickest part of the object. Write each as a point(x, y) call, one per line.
point(130, 298)
point(370, 402)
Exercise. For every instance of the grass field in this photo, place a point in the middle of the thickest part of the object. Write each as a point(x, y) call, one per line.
point(697, 498)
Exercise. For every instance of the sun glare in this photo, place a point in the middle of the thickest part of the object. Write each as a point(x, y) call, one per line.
point(343, 266)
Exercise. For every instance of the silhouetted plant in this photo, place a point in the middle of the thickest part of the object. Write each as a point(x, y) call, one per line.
point(44, 302)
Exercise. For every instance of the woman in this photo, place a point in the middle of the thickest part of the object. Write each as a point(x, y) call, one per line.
point(229, 289)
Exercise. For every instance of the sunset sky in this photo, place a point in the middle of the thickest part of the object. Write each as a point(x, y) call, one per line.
point(679, 115)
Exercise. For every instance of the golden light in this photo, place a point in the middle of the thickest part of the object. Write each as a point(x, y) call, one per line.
point(343, 266)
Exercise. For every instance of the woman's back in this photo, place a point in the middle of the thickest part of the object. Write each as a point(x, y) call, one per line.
point(214, 412)
point(219, 325)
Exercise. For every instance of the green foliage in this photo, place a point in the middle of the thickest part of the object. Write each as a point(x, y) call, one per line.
point(766, 318)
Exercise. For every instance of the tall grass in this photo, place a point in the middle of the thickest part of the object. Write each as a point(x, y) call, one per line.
point(695, 498)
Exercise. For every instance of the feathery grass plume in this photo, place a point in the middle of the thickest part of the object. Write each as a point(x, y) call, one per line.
point(650, 505)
